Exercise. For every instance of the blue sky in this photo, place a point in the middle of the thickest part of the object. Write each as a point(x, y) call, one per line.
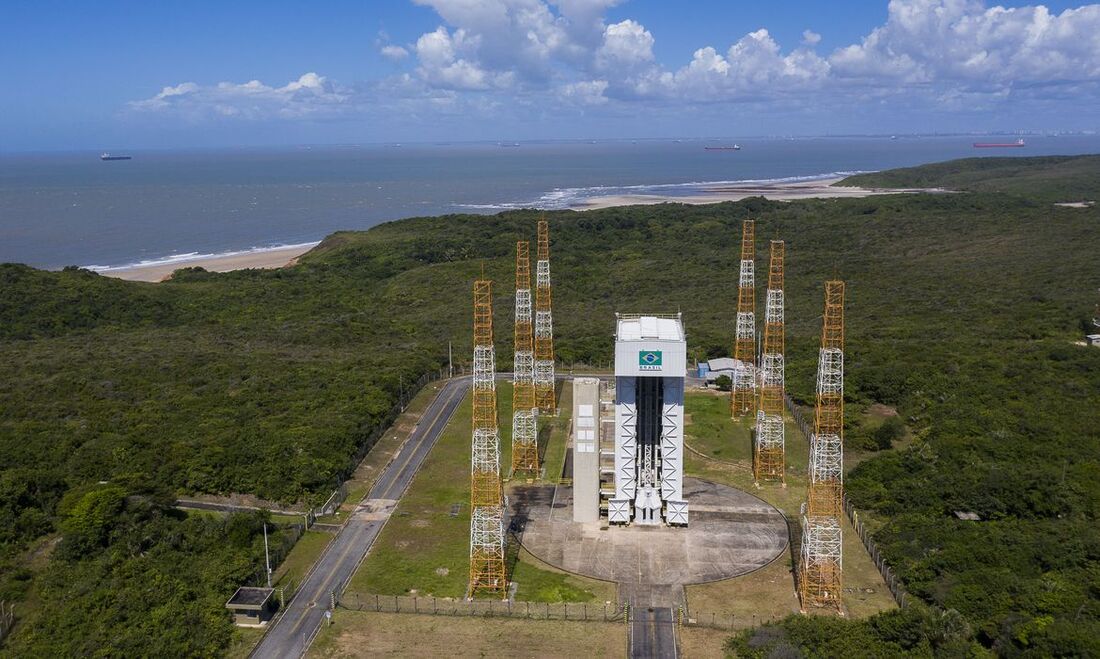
point(84, 75)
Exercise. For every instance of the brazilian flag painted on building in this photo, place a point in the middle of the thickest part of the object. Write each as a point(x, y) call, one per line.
point(649, 360)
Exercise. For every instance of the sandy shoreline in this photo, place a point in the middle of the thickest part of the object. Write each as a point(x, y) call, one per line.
point(283, 256)
point(268, 258)
point(779, 191)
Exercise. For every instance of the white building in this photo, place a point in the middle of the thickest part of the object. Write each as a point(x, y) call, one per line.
point(650, 365)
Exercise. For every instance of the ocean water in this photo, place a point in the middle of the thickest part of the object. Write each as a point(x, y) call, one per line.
point(73, 209)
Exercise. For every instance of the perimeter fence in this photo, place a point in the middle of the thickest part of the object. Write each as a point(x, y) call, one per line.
point(445, 606)
point(565, 611)
point(7, 618)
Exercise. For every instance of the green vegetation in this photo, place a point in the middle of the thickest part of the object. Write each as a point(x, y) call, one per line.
point(538, 582)
point(424, 547)
point(1047, 178)
point(962, 310)
point(148, 580)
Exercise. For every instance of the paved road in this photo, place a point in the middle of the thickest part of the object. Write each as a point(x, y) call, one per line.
point(291, 634)
point(653, 634)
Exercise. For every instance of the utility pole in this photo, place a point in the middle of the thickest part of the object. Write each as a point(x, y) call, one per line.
point(267, 557)
point(450, 361)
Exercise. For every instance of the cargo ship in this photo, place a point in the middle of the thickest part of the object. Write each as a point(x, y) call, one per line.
point(735, 147)
point(997, 145)
point(107, 156)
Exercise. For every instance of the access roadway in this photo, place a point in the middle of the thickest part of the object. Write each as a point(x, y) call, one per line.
point(291, 633)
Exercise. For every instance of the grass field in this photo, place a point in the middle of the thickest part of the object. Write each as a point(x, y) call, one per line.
point(540, 582)
point(300, 559)
point(424, 547)
point(362, 634)
point(702, 643)
point(554, 435)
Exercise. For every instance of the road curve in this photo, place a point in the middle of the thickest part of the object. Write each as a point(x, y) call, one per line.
point(291, 633)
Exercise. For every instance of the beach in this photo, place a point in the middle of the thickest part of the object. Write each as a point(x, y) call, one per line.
point(778, 191)
point(279, 257)
point(276, 257)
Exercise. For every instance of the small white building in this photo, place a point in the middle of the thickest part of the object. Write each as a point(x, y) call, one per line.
point(720, 366)
point(650, 366)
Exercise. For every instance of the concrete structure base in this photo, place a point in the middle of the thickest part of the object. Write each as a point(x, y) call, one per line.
point(731, 533)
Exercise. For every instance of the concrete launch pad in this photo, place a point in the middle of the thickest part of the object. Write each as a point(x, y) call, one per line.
point(731, 533)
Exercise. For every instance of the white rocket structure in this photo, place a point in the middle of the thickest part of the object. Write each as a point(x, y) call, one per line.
point(650, 365)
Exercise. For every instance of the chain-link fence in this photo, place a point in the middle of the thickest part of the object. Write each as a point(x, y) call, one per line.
point(7, 618)
point(579, 611)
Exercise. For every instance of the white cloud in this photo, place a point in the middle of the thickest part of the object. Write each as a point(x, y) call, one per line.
point(493, 54)
point(394, 53)
point(586, 92)
point(964, 43)
point(309, 95)
point(626, 45)
point(444, 62)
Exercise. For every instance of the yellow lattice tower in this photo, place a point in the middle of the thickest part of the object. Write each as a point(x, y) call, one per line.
point(770, 435)
point(820, 573)
point(544, 326)
point(485, 488)
point(826, 466)
point(744, 347)
point(525, 451)
point(487, 568)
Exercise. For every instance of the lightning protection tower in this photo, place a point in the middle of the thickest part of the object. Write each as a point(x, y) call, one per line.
point(525, 451)
point(487, 574)
point(821, 564)
point(544, 326)
point(768, 463)
point(744, 348)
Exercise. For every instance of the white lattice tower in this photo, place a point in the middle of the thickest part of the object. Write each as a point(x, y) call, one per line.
point(487, 568)
point(544, 325)
point(820, 572)
point(525, 454)
point(769, 457)
point(827, 449)
point(744, 347)
point(822, 562)
point(487, 571)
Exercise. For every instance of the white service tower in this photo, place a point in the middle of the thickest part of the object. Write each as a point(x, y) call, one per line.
point(650, 365)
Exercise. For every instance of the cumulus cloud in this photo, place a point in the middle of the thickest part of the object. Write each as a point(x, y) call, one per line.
point(626, 45)
point(445, 61)
point(309, 95)
point(586, 92)
point(963, 42)
point(394, 53)
point(499, 53)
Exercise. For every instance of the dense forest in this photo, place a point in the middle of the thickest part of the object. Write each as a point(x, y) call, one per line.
point(963, 309)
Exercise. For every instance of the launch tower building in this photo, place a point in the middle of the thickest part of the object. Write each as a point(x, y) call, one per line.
point(650, 365)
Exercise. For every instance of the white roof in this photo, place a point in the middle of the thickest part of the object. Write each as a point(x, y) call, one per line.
point(641, 328)
point(723, 364)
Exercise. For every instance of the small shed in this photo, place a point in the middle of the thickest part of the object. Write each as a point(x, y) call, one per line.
point(721, 366)
point(1093, 340)
point(251, 606)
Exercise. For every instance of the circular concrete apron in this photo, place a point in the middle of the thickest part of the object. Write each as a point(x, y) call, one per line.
point(730, 532)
